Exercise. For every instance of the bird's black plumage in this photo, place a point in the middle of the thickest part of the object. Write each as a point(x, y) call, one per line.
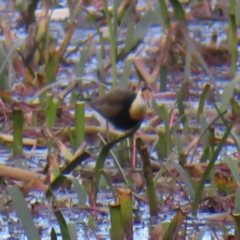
point(114, 106)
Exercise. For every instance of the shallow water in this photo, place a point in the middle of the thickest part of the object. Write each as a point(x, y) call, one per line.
point(11, 228)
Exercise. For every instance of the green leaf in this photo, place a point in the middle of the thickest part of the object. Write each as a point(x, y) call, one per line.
point(72, 229)
point(178, 10)
point(53, 234)
point(174, 226)
point(18, 123)
point(164, 14)
point(79, 123)
point(235, 106)
point(51, 66)
point(228, 93)
point(179, 143)
point(92, 222)
point(143, 25)
point(232, 36)
point(126, 73)
point(204, 131)
point(70, 167)
point(101, 70)
point(163, 114)
point(186, 178)
point(233, 166)
point(163, 78)
point(203, 98)
point(236, 218)
point(236, 140)
point(23, 212)
point(129, 36)
point(201, 233)
point(110, 184)
point(5, 81)
point(187, 67)
point(116, 4)
point(79, 188)
point(208, 170)
point(237, 202)
point(112, 28)
point(181, 110)
point(80, 66)
point(62, 224)
point(101, 159)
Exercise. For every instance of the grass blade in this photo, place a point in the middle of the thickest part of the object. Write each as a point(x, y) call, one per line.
point(62, 224)
point(79, 123)
point(70, 167)
point(186, 178)
point(126, 73)
point(164, 14)
point(174, 226)
point(110, 184)
point(163, 78)
point(101, 71)
point(209, 169)
point(129, 37)
point(178, 10)
point(162, 113)
point(80, 66)
point(233, 166)
point(187, 67)
point(201, 233)
point(113, 43)
point(23, 212)
point(143, 25)
point(51, 114)
point(236, 214)
point(125, 200)
point(80, 190)
point(182, 114)
point(232, 36)
point(228, 93)
point(53, 234)
point(17, 132)
point(204, 133)
point(116, 231)
point(237, 202)
point(203, 99)
point(235, 107)
point(72, 229)
point(147, 171)
point(101, 160)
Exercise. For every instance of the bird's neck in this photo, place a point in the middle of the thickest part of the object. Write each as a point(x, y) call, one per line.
point(138, 109)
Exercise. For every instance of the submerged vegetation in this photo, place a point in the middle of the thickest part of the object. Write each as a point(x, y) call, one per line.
point(64, 174)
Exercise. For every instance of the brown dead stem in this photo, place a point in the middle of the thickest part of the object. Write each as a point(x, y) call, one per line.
point(20, 174)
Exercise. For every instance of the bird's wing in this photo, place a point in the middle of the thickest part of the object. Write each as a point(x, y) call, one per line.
point(109, 105)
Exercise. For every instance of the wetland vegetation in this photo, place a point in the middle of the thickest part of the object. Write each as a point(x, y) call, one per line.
point(66, 176)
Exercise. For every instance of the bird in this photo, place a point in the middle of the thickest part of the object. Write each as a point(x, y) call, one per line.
point(123, 109)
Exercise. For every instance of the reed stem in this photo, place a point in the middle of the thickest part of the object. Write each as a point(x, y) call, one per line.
point(79, 123)
point(113, 43)
point(125, 200)
point(148, 177)
point(17, 132)
point(51, 113)
point(116, 230)
point(232, 36)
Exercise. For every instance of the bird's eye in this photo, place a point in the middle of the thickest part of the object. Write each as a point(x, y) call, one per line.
point(147, 95)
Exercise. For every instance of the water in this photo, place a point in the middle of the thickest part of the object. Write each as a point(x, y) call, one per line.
point(44, 217)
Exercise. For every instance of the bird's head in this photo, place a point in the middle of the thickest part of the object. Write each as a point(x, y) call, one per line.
point(145, 96)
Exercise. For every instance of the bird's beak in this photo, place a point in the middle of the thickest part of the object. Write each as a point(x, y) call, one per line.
point(147, 94)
